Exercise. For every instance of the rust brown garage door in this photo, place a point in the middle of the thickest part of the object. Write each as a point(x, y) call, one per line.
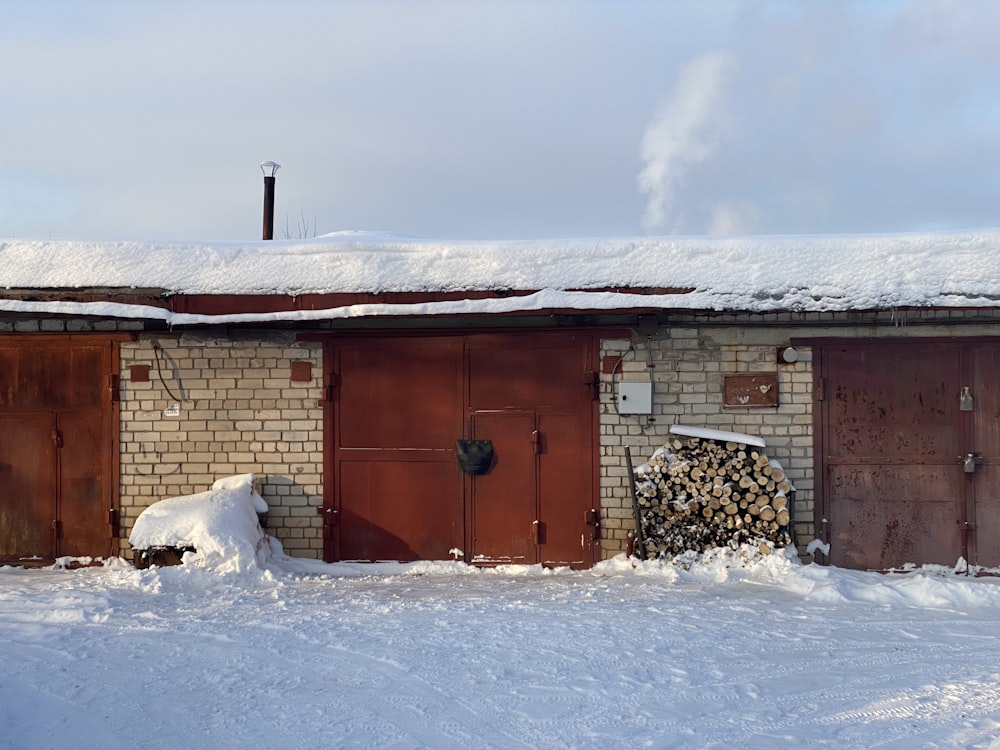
point(533, 397)
point(910, 466)
point(399, 405)
point(57, 435)
point(983, 529)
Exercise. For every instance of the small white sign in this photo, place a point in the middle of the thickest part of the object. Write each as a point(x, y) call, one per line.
point(174, 410)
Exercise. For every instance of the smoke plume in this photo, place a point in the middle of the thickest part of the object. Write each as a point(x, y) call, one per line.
point(683, 133)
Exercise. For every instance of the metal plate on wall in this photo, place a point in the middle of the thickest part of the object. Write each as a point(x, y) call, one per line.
point(759, 389)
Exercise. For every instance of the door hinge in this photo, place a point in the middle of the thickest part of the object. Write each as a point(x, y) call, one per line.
point(593, 379)
point(536, 442)
point(592, 518)
point(57, 439)
point(821, 389)
point(538, 532)
point(113, 521)
point(330, 519)
point(57, 528)
point(114, 387)
point(330, 389)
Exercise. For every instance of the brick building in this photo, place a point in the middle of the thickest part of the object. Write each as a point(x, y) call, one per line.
point(343, 371)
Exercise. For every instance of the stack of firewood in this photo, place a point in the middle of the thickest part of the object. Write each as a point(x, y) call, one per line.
point(697, 494)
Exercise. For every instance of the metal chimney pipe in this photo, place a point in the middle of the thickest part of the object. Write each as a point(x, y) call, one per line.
point(269, 168)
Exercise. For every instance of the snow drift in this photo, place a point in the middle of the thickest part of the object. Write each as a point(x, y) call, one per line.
point(221, 525)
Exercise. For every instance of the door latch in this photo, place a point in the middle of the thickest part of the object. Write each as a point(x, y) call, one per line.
point(965, 402)
point(970, 462)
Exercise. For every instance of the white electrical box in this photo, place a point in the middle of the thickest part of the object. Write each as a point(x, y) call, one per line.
point(635, 398)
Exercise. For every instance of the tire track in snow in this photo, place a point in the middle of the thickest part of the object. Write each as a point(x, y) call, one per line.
point(743, 692)
point(388, 695)
point(873, 715)
point(393, 680)
point(90, 697)
point(972, 698)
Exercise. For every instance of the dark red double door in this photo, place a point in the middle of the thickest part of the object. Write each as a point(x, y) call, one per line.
point(911, 453)
point(57, 438)
point(395, 489)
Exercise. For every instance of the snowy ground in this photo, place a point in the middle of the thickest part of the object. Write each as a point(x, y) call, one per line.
point(297, 654)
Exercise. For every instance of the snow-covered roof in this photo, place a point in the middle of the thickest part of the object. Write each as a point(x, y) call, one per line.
point(759, 274)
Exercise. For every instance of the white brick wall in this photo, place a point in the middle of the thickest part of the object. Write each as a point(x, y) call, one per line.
point(687, 366)
point(239, 412)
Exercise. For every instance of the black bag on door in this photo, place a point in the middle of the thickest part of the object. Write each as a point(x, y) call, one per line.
point(474, 456)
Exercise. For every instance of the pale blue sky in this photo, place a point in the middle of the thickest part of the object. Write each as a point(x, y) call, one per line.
point(147, 120)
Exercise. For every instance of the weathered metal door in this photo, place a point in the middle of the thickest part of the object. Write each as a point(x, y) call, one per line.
point(534, 392)
point(533, 505)
point(398, 407)
point(571, 525)
point(893, 483)
point(87, 521)
point(911, 451)
point(57, 435)
point(28, 474)
point(981, 456)
point(505, 523)
point(398, 412)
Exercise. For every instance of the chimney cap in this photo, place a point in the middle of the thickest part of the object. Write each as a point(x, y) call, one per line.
point(269, 168)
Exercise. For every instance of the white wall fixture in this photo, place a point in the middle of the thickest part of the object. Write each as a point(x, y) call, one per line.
point(635, 397)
